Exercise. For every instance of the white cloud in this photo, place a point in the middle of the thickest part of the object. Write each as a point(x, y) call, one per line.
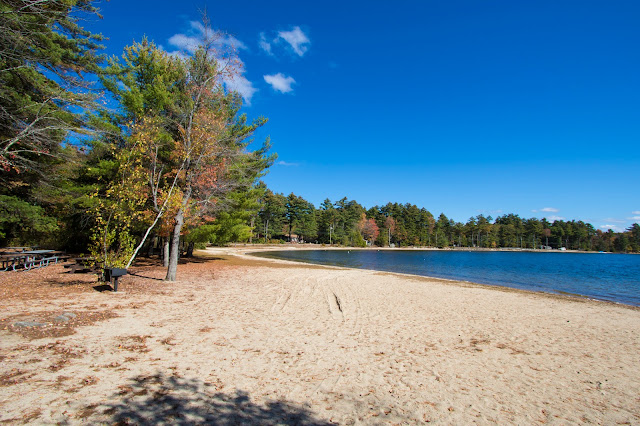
point(490, 212)
point(614, 228)
point(190, 42)
point(553, 218)
point(229, 40)
point(297, 39)
point(280, 82)
point(614, 220)
point(634, 218)
point(550, 210)
point(185, 43)
point(284, 163)
point(264, 44)
point(220, 39)
point(226, 47)
point(241, 85)
point(636, 212)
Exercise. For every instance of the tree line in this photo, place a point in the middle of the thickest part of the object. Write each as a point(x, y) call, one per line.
point(346, 222)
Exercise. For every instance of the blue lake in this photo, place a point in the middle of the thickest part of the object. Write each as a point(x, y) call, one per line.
point(604, 276)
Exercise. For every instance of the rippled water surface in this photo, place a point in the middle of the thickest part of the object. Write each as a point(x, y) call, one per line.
point(604, 276)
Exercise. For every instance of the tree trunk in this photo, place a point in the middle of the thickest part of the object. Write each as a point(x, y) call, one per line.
point(165, 250)
point(172, 267)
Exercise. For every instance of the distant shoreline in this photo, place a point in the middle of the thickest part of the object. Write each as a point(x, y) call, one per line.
point(311, 246)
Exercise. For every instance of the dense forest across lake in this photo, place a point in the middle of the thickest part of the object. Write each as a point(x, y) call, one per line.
point(346, 222)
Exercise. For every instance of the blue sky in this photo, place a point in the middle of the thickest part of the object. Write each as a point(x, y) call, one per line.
point(462, 107)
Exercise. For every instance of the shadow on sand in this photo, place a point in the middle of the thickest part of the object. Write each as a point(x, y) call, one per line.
point(162, 399)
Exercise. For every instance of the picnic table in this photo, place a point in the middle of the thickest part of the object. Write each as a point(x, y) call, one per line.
point(10, 259)
point(14, 249)
point(30, 259)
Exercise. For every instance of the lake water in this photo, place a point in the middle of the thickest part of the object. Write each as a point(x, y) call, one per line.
point(604, 276)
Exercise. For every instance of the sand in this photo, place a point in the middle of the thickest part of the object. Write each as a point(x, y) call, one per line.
point(243, 341)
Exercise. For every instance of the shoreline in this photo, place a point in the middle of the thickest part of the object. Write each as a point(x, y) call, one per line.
point(554, 293)
point(241, 339)
point(311, 246)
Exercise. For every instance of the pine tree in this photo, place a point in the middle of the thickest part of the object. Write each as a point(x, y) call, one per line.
point(44, 57)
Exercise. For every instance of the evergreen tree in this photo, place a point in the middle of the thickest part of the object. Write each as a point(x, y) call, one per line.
point(45, 100)
point(272, 214)
point(44, 56)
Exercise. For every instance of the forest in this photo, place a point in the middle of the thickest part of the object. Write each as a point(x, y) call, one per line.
point(118, 156)
point(346, 222)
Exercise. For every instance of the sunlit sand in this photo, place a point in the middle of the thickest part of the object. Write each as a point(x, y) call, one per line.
point(262, 341)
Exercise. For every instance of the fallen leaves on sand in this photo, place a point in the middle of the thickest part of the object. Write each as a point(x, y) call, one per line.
point(134, 343)
point(49, 324)
point(168, 341)
point(89, 380)
point(14, 377)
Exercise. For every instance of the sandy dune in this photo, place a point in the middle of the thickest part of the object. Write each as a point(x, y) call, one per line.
point(256, 341)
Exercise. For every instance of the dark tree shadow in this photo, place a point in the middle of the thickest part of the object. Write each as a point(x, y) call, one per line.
point(102, 287)
point(197, 259)
point(162, 399)
point(137, 274)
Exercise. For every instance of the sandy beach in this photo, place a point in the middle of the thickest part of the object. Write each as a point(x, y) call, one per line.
point(240, 340)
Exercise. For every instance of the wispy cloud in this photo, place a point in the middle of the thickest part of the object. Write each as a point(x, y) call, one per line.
point(634, 218)
point(297, 39)
point(264, 44)
point(185, 43)
point(546, 210)
point(222, 39)
point(553, 218)
point(284, 163)
point(614, 228)
point(195, 35)
point(226, 47)
point(636, 212)
point(280, 82)
point(240, 84)
point(614, 220)
point(490, 212)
